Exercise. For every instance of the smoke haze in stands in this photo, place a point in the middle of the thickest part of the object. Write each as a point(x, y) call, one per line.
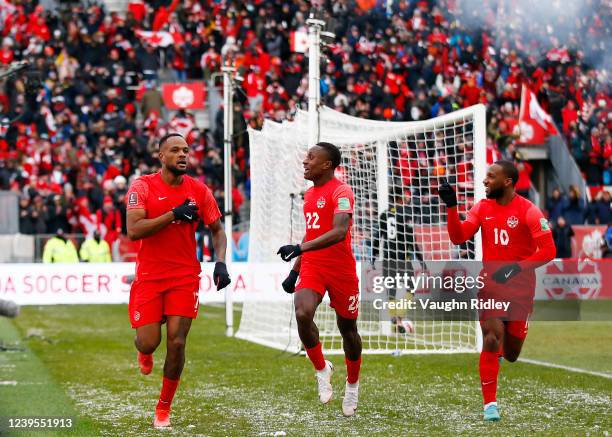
point(552, 23)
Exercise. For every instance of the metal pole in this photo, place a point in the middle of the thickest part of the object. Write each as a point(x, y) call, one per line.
point(228, 128)
point(314, 76)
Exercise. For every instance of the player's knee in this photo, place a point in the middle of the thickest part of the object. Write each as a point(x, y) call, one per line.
point(303, 315)
point(176, 344)
point(348, 331)
point(511, 356)
point(147, 345)
point(146, 348)
point(490, 342)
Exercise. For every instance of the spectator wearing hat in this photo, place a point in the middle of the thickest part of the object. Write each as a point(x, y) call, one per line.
point(60, 249)
point(95, 250)
point(109, 219)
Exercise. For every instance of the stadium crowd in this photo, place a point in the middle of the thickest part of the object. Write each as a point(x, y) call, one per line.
point(94, 124)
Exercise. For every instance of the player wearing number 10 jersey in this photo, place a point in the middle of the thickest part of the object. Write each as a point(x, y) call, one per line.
point(326, 263)
point(516, 239)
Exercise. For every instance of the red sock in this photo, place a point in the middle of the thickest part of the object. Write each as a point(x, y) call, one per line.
point(167, 393)
point(316, 356)
point(352, 370)
point(489, 368)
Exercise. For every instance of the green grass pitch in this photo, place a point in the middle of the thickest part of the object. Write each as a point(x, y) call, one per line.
point(79, 361)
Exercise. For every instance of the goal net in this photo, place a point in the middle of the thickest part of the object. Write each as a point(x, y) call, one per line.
point(382, 162)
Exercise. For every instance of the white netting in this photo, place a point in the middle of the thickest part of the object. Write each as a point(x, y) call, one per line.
point(382, 161)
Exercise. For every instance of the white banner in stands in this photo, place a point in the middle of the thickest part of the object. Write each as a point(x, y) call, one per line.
point(47, 284)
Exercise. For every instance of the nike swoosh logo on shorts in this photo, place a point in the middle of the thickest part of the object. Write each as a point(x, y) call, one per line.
point(489, 218)
point(508, 274)
point(188, 217)
point(162, 198)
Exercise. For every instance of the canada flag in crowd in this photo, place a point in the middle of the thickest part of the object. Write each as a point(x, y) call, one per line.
point(184, 95)
point(299, 41)
point(160, 38)
point(535, 124)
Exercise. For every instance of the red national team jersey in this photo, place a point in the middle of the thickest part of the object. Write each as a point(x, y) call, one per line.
point(170, 252)
point(320, 206)
point(508, 231)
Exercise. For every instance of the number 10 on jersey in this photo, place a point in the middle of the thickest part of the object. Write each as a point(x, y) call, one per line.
point(501, 237)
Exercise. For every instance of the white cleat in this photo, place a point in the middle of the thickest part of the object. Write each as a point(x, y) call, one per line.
point(324, 382)
point(351, 396)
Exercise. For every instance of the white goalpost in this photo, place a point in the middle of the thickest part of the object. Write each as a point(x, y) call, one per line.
point(379, 159)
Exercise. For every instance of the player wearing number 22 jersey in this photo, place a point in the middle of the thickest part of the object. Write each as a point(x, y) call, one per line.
point(516, 239)
point(326, 264)
point(333, 268)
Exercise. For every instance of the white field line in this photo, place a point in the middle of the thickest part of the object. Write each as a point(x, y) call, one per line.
point(568, 368)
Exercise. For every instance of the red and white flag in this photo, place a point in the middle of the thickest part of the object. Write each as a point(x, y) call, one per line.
point(535, 124)
point(49, 120)
point(299, 41)
point(158, 39)
point(184, 95)
point(558, 55)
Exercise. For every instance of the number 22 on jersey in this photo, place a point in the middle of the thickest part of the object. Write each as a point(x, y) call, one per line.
point(312, 220)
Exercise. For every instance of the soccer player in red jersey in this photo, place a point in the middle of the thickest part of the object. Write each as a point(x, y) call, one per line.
point(516, 239)
point(326, 263)
point(162, 213)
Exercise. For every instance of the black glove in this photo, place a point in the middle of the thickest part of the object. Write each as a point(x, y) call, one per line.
point(220, 276)
point(186, 212)
point(289, 283)
point(503, 274)
point(290, 251)
point(447, 194)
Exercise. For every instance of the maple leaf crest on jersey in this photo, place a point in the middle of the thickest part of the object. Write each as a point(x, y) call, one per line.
point(512, 222)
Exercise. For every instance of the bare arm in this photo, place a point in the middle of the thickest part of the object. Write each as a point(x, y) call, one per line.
point(338, 232)
point(139, 227)
point(219, 239)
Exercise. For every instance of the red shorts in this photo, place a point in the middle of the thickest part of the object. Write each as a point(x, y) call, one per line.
point(516, 328)
point(343, 288)
point(516, 318)
point(152, 301)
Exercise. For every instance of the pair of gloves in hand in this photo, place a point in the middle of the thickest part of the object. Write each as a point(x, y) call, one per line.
point(287, 253)
point(188, 212)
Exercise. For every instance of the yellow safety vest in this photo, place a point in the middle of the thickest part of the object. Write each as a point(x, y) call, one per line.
point(95, 252)
point(59, 251)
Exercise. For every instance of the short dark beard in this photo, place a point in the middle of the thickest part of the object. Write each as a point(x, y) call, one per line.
point(175, 171)
point(495, 194)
